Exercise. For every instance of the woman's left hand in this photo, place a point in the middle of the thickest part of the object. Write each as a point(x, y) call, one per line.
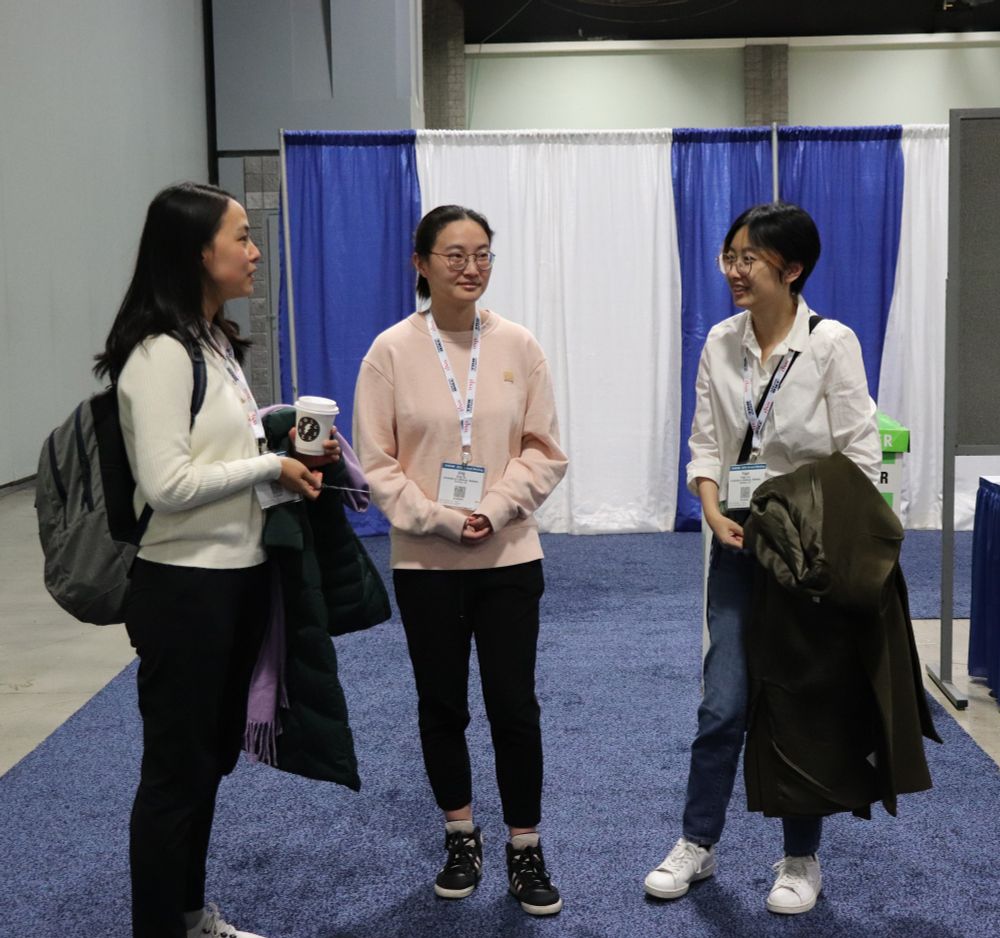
point(477, 528)
point(331, 451)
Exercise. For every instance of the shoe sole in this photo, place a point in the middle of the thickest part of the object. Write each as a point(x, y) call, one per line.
point(794, 909)
point(657, 893)
point(455, 893)
point(541, 909)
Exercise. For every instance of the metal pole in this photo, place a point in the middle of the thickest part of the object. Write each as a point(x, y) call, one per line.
point(943, 677)
point(774, 161)
point(289, 287)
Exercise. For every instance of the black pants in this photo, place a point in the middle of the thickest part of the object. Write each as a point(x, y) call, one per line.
point(197, 633)
point(442, 610)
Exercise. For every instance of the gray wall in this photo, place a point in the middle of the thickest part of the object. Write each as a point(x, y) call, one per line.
point(101, 105)
point(835, 80)
point(314, 65)
point(606, 89)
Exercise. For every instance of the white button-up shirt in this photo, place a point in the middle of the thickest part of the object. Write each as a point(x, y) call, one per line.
point(822, 407)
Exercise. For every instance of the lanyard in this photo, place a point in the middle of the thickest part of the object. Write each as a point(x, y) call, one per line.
point(754, 419)
point(243, 391)
point(464, 409)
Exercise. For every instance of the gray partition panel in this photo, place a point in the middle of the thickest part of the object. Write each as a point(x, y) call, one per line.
point(978, 280)
point(972, 334)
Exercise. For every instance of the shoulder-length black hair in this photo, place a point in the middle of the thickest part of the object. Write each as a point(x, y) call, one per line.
point(430, 227)
point(783, 229)
point(166, 295)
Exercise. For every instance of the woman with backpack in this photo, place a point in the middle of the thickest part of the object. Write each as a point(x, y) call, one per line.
point(198, 600)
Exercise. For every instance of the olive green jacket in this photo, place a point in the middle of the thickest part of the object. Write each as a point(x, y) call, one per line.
point(837, 710)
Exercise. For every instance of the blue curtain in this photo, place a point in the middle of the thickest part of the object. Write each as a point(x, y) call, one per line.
point(353, 204)
point(850, 179)
point(984, 624)
point(716, 175)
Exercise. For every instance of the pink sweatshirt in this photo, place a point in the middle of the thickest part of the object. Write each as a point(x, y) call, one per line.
point(406, 426)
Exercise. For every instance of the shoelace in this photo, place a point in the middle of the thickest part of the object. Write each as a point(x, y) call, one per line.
point(528, 868)
point(214, 925)
point(679, 856)
point(461, 849)
point(792, 873)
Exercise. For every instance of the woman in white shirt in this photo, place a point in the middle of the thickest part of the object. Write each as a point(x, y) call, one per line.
point(198, 594)
point(817, 404)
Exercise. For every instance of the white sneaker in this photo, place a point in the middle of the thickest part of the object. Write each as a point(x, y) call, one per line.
point(213, 926)
point(797, 886)
point(685, 864)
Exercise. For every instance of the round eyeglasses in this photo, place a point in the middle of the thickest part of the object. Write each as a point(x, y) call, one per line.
point(456, 260)
point(743, 263)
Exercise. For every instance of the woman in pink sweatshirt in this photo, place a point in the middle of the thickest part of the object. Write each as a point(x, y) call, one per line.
point(455, 425)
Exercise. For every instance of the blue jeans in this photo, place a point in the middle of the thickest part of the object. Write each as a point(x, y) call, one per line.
point(722, 716)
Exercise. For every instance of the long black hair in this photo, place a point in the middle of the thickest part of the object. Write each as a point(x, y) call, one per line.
point(783, 229)
point(430, 227)
point(166, 295)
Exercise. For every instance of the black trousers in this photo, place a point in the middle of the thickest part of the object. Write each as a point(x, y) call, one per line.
point(442, 610)
point(197, 633)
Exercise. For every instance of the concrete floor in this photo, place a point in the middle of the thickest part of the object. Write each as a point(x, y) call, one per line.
point(51, 665)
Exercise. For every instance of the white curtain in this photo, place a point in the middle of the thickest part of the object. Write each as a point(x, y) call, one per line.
point(911, 382)
point(587, 259)
point(911, 385)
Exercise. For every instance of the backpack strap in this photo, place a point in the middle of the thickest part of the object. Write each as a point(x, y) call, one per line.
point(197, 399)
point(200, 379)
point(814, 320)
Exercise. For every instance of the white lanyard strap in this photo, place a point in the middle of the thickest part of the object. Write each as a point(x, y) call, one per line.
point(754, 419)
point(236, 375)
point(464, 408)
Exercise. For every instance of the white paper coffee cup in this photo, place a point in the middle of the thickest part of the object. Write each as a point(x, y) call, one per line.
point(314, 418)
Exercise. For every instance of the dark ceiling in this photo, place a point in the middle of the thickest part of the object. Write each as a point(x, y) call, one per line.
point(565, 20)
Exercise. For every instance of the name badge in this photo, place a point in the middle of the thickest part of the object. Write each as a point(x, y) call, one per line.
point(461, 486)
point(270, 494)
point(743, 482)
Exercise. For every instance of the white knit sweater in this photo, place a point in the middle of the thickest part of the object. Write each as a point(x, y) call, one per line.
point(199, 481)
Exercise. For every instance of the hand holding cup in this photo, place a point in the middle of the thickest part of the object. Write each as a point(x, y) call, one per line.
point(331, 451)
point(313, 436)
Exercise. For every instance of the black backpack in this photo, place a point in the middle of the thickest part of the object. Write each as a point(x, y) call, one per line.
point(83, 498)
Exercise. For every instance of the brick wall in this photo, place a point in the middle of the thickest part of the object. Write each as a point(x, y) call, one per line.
point(444, 65)
point(261, 179)
point(765, 83)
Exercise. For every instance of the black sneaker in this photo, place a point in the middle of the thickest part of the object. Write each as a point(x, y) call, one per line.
point(463, 868)
point(529, 881)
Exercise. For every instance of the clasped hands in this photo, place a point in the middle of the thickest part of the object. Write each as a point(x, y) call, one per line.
point(477, 528)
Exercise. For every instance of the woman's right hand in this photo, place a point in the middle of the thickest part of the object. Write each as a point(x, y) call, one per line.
point(729, 533)
point(300, 479)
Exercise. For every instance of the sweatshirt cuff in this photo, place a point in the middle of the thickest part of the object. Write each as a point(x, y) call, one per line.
point(495, 508)
point(449, 523)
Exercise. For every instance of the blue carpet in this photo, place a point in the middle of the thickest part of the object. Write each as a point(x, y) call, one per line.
point(921, 563)
point(618, 682)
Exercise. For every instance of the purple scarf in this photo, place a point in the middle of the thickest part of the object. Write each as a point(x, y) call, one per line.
point(267, 686)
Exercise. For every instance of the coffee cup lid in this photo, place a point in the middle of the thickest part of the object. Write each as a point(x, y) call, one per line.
point(317, 405)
